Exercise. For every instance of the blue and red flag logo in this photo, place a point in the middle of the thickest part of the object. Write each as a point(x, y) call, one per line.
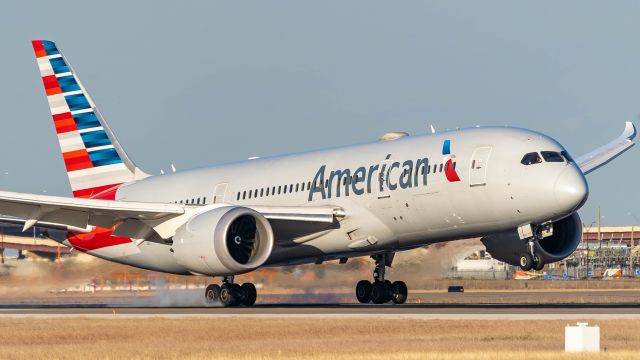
point(449, 169)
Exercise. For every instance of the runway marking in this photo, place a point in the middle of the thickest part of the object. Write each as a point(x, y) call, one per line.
point(568, 317)
point(424, 312)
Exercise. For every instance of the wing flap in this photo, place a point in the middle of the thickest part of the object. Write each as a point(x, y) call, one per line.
point(320, 214)
point(604, 154)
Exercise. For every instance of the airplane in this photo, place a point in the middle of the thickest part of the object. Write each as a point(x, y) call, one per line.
point(516, 189)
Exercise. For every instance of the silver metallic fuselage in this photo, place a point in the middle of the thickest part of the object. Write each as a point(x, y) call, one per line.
point(496, 193)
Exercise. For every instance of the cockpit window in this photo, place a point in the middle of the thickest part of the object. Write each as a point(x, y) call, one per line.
point(566, 155)
point(531, 158)
point(552, 156)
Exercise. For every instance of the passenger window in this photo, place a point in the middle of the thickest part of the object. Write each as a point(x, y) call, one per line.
point(297, 186)
point(238, 196)
point(244, 194)
point(268, 191)
point(309, 185)
point(552, 156)
point(250, 192)
point(285, 189)
point(446, 167)
point(198, 202)
point(255, 193)
point(291, 188)
point(261, 192)
point(454, 165)
point(204, 200)
point(440, 167)
point(279, 189)
point(531, 158)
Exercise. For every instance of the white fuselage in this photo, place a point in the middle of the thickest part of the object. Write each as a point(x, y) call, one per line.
point(389, 201)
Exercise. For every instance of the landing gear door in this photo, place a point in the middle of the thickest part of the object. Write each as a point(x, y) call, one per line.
point(219, 193)
point(478, 167)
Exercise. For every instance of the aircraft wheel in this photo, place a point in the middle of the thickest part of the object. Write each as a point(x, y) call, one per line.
point(389, 289)
point(249, 294)
point(363, 291)
point(212, 293)
point(538, 264)
point(399, 292)
point(526, 262)
point(379, 292)
point(229, 295)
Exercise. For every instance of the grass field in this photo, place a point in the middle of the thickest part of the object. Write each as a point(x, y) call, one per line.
point(260, 338)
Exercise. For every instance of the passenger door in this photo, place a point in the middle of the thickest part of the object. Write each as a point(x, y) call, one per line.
point(479, 164)
point(381, 183)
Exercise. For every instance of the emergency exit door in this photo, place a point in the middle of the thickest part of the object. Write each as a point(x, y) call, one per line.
point(219, 193)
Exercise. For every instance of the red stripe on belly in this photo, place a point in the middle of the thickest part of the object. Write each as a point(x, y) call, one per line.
point(98, 238)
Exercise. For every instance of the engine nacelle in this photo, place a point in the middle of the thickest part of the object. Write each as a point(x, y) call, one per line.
point(566, 237)
point(227, 240)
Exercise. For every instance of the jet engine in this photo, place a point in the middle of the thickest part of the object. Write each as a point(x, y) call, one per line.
point(508, 246)
point(227, 240)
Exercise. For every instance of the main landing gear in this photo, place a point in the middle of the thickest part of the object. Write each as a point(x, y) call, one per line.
point(530, 259)
point(381, 290)
point(230, 293)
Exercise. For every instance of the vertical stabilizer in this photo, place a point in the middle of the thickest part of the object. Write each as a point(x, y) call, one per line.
point(96, 163)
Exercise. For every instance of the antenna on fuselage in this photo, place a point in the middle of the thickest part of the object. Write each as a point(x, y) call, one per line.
point(433, 130)
point(161, 172)
point(173, 168)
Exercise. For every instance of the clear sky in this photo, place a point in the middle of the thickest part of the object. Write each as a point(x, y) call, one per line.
point(198, 83)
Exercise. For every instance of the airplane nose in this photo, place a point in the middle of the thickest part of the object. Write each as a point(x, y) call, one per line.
point(571, 189)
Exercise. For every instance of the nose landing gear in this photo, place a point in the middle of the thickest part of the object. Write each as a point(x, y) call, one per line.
point(381, 290)
point(530, 259)
point(231, 294)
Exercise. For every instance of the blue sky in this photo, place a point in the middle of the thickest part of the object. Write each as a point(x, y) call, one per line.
point(197, 83)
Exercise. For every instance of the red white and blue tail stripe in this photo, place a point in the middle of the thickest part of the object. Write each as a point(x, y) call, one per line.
point(96, 163)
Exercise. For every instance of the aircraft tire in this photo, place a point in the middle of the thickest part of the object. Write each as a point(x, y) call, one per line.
point(249, 294)
point(212, 293)
point(363, 291)
point(399, 292)
point(538, 264)
point(229, 295)
point(526, 261)
point(389, 290)
point(379, 292)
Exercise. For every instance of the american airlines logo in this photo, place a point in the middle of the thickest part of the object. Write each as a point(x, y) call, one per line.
point(386, 176)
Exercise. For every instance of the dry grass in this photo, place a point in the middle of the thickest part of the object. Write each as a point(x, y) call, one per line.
point(260, 338)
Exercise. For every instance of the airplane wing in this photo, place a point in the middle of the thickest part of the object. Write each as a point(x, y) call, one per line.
point(602, 155)
point(79, 214)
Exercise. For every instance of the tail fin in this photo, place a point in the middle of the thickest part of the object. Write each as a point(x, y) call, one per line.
point(96, 163)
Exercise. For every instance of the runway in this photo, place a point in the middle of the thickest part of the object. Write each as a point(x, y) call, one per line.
point(413, 311)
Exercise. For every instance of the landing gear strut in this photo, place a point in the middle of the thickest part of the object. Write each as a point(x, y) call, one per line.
point(381, 290)
point(230, 293)
point(530, 259)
